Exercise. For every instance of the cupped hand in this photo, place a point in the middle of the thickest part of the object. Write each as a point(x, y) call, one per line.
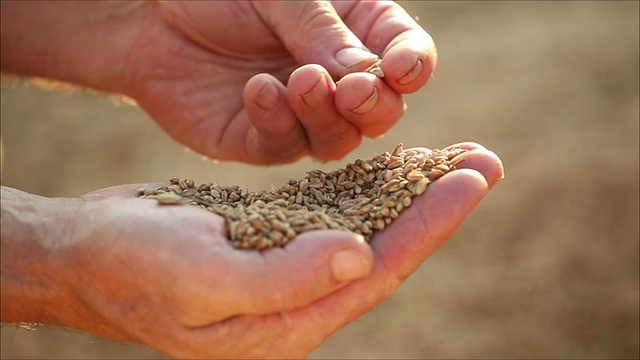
point(167, 276)
point(257, 81)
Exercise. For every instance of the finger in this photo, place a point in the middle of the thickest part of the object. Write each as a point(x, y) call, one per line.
point(368, 103)
point(399, 249)
point(276, 135)
point(443, 207)
point(468, 145)
point(279, 279)
point(311, 95)
point(409, 61)
point(408, 52)
point(434, 217)
point(313, 32)
point(241, 337)
point(482, 160)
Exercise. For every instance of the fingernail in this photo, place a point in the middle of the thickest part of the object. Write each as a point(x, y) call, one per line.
point(317, 96)
point(267, 96)
point(412, 75)
point(368, 104)
point(349, 265)
point(355, 59)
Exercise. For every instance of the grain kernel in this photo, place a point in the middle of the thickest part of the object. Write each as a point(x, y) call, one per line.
point(362, 197)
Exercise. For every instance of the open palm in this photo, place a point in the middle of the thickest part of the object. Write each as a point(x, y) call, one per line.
point(168, 277)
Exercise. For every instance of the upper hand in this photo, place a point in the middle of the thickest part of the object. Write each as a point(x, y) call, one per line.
point(219, 76)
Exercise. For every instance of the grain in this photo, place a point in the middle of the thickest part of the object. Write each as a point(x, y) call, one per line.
point(375, 69)
point(364, 197)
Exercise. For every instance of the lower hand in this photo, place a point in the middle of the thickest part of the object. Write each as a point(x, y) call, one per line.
point(166, 276)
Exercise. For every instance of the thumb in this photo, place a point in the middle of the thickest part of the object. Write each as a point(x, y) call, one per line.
point(314, 33)
point(313, 265)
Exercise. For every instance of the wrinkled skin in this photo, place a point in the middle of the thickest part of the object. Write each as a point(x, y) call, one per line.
point(166, 276)
point(257, 82)
point(221, 78)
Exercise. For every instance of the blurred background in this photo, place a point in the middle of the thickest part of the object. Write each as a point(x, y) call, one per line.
point(546, 267)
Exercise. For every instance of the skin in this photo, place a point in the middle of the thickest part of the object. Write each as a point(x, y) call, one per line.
point(243, 81)
point(258, 82)
point(167, 277)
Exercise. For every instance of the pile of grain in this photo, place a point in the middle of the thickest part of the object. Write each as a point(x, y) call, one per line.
point(363, 197)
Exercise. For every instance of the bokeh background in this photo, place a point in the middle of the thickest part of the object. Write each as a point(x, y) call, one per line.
point(546, 267)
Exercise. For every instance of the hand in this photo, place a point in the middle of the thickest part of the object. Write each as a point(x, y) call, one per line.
point(166, 276)
point(213, 75)
point(250, 81)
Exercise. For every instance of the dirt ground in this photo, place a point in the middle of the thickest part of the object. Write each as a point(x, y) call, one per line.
point(546, 267)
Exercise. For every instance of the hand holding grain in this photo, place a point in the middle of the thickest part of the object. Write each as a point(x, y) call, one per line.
point(168, 277)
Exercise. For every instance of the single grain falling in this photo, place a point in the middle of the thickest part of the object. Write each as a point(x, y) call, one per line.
point(363, 197)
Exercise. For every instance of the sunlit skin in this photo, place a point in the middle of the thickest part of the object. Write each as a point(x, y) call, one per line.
point(234, 80)
point(167, 276)
point(257, 82)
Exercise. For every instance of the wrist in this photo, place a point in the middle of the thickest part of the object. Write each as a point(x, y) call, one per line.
point(86, 43)
point(36, 285)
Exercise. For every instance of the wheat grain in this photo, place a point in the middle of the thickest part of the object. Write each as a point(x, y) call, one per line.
point(362, 197)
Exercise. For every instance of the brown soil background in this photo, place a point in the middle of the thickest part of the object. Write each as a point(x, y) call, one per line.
point(546, 267)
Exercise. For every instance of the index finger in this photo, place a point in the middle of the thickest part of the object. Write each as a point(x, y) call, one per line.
point(404, 245)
